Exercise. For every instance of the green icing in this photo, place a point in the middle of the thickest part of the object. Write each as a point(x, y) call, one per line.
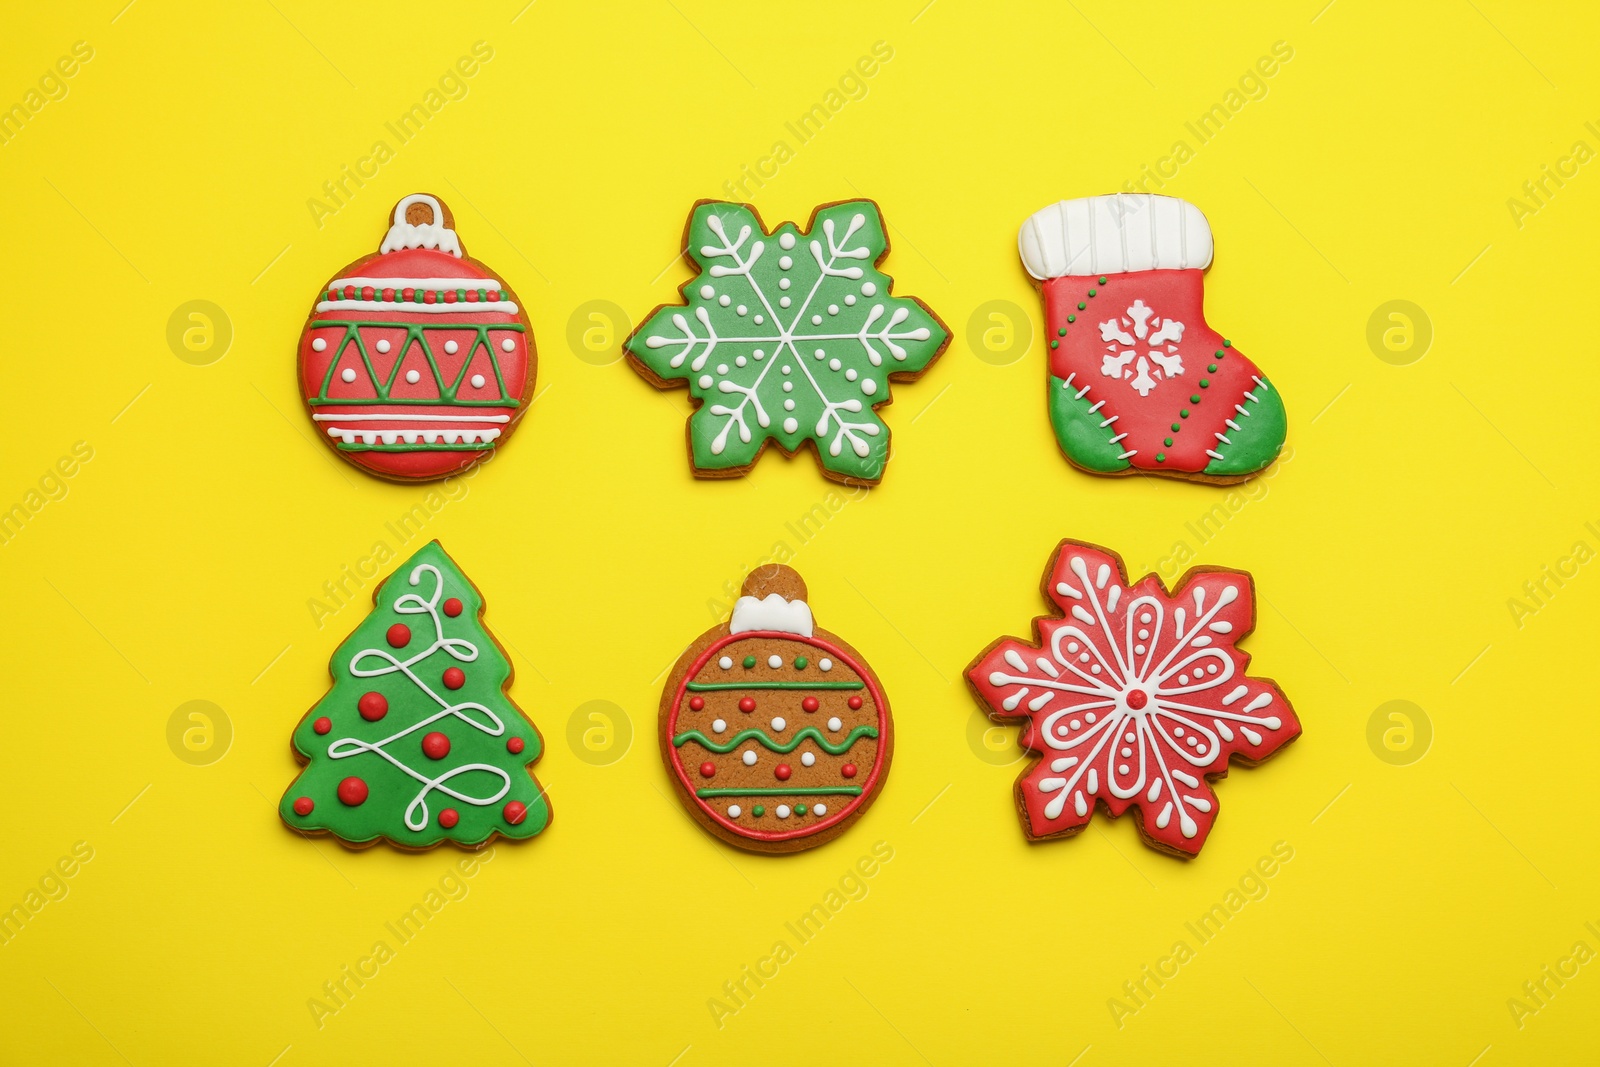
point(398, 735)
point(1257, 441)
point(798, 791)
point(415, 334)
point(811, 370)
point(707, 687)
point(755, 734)
point(1082, 438)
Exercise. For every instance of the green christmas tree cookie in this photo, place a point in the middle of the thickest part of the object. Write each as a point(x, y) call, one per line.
point(789, 336)
point(417, 741)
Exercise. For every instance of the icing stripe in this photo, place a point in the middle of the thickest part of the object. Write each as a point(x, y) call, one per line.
point(359, 447)
point(412, 418)
point(822, 791)
point(408, 307)
point(416, 283)
point(705, 687)
point(778, 746)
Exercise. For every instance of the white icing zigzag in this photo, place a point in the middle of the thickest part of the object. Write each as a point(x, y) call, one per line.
point(772, 613)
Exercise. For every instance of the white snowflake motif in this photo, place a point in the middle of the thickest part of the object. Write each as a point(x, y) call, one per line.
point(1134, 698)
point(1159, 338)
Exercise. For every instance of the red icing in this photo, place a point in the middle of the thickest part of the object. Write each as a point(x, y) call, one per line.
point(452, 607)
point(839, 808)
point(454, 678)
point(810, 704)
point(707, 769)
point(514, 745)
point(303, 806)
point(855, 703)
point(747, 704)
point(515, 812)
point(697, 704)
point(372, 706)
point(783, 772)
point(322, 725)
point(1148, 420)
point(436, 745)
point(352, 792)
point(449, 817)
point(848, 770)
point(399, 635)
point(320, 372)
point(1192, 719)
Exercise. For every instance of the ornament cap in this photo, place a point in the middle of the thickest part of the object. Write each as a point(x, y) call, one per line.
point(422, 221)
point(774, 578)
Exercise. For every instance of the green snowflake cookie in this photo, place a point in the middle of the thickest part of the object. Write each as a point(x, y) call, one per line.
point(790, 336)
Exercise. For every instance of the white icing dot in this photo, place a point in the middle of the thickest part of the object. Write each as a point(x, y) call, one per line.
point(786, 369)
point(413, 377)
point(869, 387)
point(759, 319)
point(790, 425)
point(718, 725)
point(1126, 752)
point(1088, 716)
point(348, 374)
point(816, 320)
point(707, 292)
point(819, 809)
point(774, 661)
point(783, 811)
point(824, 664)
point(779, 723)
point(705, 381)
point(1211, 668)
point(1075, 724)
point(788, 387)
point(1178, 730)
point(819, 353)
point(724, 300)
point(508, 345)
point(759, 354)
point(835, 725)
point(734, 811)
point(786, 241)
point(739, 361)
point(1072, 646)
point(1190, 740)
point(788, 405)
point(807, 758)
point(1128, 737)
point(783, 301)
point(749, 757)
point(1183, 679)
point(833, 309)
point(834, 364)
point(1063, 731)
point(1122, 768)
point(1144, 635)
point(1084, 658)
point(1095, 669)
point(726, 663)
point(850, 298)
point(477, 381)
point(1139, 649)
point(869, 289)
point(785, 262)
point(850, 375)
point(740, 310)
point(1145, 618)
point(783, 283)
point(722, 368)
point(450, 348)
point(382, 346)
point(318, 344)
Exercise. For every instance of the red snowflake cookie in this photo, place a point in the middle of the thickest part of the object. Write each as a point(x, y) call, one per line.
point(1133, 697)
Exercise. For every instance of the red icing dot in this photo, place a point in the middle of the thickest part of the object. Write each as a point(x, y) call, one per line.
point(1137, 699)
point(810, 704)
point(848, 770)
point(408, 293)
point(514, 745)
point(430, 297)
point(322, 725)
point(450, 296)
point(449, 817)
point(454, 678)
point(697, 703)
point(783, 772)
point(707, 769)
point(747, 704)
point(352, 792)
point(366, 292)
point(436, 745)
point(349, 292)
point(855, 703)
point(399, 635)
point(515, 812)
point(388, 294)
point(303, 806)
point(452, 607)
point(373, 706)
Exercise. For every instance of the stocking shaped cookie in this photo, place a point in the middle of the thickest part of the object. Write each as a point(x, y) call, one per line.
point(775, 732)
point(1138, 381)
point(417, 360)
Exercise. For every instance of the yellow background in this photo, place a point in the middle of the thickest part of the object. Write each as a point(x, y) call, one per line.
point(1418, 500)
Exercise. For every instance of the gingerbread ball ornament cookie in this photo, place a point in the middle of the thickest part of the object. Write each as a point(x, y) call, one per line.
point(1139, 383)
point(1133, 697)
point(417, 361)
point(775, 732)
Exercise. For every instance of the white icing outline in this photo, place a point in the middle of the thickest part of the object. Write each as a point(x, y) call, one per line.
point(771, 613)
point(433, 234)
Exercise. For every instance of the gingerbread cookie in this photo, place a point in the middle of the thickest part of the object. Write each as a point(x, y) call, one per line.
point(417, 742)
point(417, 361)
point(790, 337)
point(775, 732)
point(1133, 697)
point(1138, 382)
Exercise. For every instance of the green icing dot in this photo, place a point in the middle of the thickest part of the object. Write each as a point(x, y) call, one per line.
point(1195, 399)
point(800, 663)
point(1204, 384)
point(758, 811)
point(1161, 457)
point(1081, 305)
point(1102, 279)
point(1220, 353)
point(1226, 343)
point(1055, 344)
point(1167, 442)
point(1212, 368)
point(1091, 292)
point(1061, 332)
point(461, 295)
point(799, 809)
point(749, 661)
point(1071, 318)
point(1184, 414)
point(1176, 427)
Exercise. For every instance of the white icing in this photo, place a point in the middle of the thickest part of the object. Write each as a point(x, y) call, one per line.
point(353, 435)
point(783, 811)
point(413, 377)
point(348, 374)
point(382, 346)
point(834, 725)
point(718, 726)
point(477, 381)
point(436, 308)
point(726, 663)
point(771, 613)
point(807, 759)
point(707, 292)
point(473, 714)
point(438, 285)
point(508, 345)
point(450, 348)
point(824, 664)
point(819, 809)
point(778, 724)
point(790, 425)
point(749, 757)
point(386, 417)
point(734, 811)
point(318, 344)
point(1115, 234)
point(775, 661)
point(433, 234)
